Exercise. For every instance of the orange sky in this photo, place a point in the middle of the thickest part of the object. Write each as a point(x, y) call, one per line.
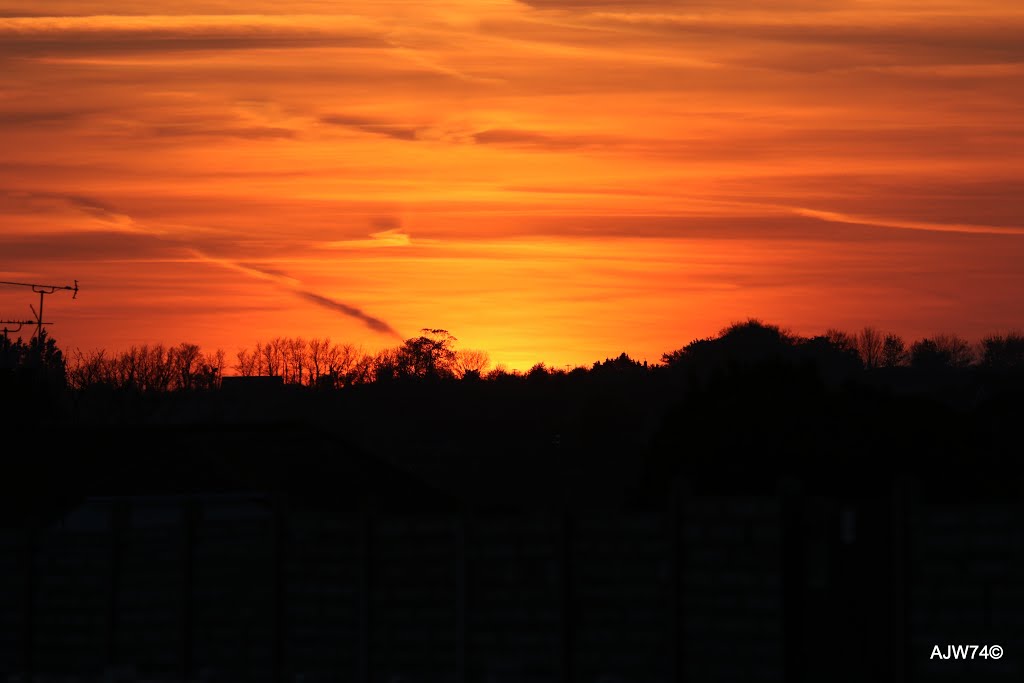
point(557, 181)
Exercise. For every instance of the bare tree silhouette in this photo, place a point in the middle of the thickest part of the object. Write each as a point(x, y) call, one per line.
point(870, 344)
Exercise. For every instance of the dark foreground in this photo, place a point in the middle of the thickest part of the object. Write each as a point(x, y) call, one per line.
point(766, 524)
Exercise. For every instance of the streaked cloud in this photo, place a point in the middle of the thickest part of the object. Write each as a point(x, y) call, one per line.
point(836, 217)
point(160, 34)
point(244, 132)
point(374, 126)
point(386, 238)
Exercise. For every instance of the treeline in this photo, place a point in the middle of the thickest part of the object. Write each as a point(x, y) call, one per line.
point(868, 349)
point(315, 362)
point(321, 363)
point(433, 355)
point(146, 368)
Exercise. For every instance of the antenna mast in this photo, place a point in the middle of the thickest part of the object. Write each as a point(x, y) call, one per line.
point(42, 291)
point(19, 323)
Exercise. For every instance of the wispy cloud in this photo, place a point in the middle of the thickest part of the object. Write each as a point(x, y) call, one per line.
point(43, 202)
point(529, 138)
point(837, 217)
point(243, 132)
point(386, 238)
point(120, 34)
point(374, 126)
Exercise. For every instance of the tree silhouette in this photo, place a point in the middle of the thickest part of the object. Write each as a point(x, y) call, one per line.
point(430, 356)
point(39, 358)
point(941, 351)
point(745, 341)
point(148, 369)
point(842, 340)
point(894, 351)
point(472, 363)
point(870, 345)
point(620, 365)
point(1003, 352)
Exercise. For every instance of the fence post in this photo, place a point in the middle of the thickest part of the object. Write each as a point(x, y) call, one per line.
point(28, 616)
point(898, 580)
point(120, 515)
point(568, 611)
point(678, 496)
point(791, 519)
point(365, 533)
point(279, 539)
point(461, 597)
point(190, 513)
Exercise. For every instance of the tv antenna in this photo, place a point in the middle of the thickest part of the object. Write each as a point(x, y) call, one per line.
point(42, 291)
point(19, 323)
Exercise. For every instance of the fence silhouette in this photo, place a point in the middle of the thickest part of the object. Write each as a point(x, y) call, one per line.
point(777, 584)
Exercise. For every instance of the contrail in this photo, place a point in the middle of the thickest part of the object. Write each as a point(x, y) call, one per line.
point(278, 279)
point(107, 213)
point(373, 323)
point(290, 284)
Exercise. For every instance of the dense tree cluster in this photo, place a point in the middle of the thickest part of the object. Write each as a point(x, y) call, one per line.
point(869, 349)
point(42, 359)
point(1002, 352)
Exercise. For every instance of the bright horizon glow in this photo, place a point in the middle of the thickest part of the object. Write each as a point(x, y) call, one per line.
point(551, 181)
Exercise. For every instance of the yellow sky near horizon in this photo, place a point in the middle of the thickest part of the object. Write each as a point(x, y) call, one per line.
point(553, 181)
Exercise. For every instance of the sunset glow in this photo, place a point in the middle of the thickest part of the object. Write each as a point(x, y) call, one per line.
point(556, 180)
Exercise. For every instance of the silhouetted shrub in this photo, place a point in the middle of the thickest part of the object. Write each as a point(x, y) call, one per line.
point(1003, 352)
point(941, 351)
